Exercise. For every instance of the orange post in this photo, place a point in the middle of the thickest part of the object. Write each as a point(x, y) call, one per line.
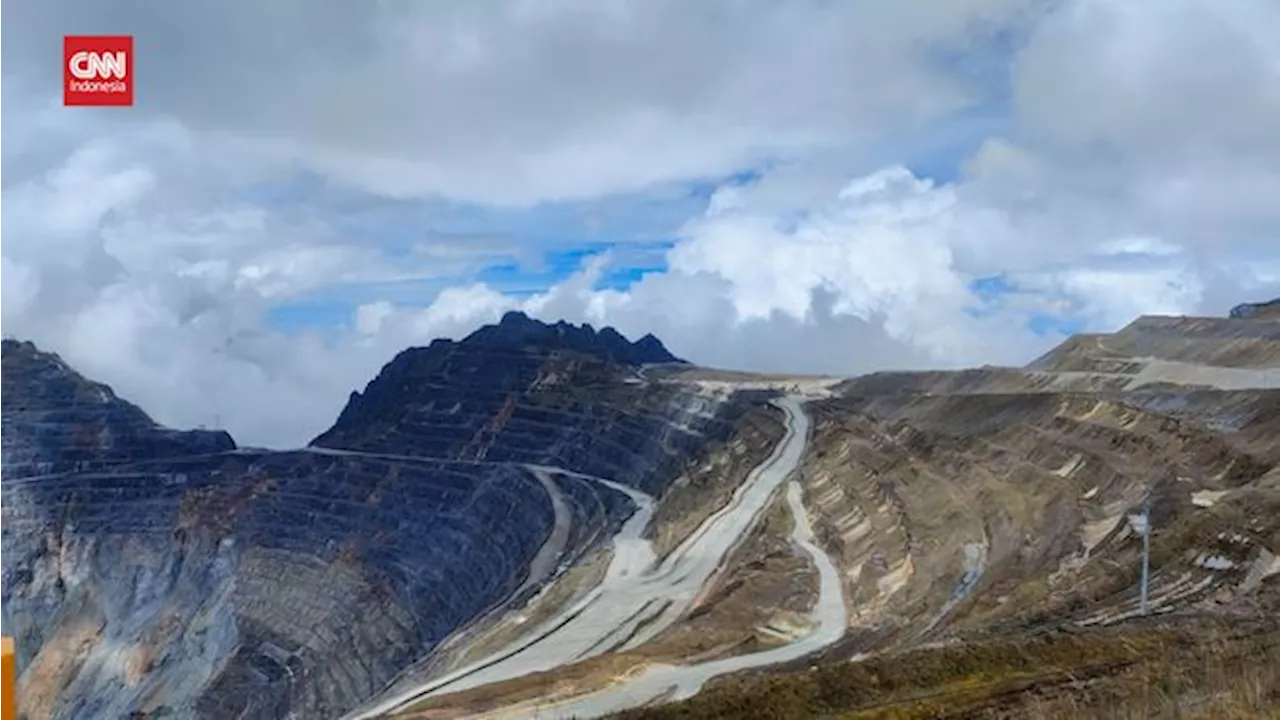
point(10, 698)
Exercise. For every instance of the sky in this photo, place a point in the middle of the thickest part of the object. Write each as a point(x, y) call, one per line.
point(303, 189)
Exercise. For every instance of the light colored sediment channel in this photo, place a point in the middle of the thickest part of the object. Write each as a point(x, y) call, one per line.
point(639, 598)
point(668, 682)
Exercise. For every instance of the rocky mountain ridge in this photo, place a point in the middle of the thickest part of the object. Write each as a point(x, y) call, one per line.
point(498, 395)
point(169, 573)
point(55, 420)
point(517, 331)
point(1270, 308)
point(469, 490)
point(981, 522)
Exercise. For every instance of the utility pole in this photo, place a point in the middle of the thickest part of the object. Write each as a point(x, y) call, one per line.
point(1141, 523)
point(1146, 554)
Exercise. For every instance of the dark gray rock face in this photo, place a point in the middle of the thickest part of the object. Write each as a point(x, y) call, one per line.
point(169, 573)
point(518, 331)
point(1270, 308)
point(57, 421)
point(527, 400)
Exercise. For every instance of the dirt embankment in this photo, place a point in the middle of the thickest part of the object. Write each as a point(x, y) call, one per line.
point(712, 477)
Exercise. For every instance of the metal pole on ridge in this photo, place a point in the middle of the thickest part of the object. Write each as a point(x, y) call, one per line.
point(1146, 554)
point(1141, 524)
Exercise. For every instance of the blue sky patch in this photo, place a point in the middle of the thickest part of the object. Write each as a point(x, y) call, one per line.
point(555, 267)
point(991, 291)
point(318, 314)
point(1043, 325)
point(991, 287)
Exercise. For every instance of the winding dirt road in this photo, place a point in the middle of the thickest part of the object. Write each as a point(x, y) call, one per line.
point(638, 597)
point(677, 682)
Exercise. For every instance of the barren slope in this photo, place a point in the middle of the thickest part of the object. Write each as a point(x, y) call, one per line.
point(465, 501)
point(971, 512)
point(148, 570)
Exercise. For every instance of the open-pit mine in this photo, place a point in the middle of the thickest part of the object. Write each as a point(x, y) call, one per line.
point(553, 521)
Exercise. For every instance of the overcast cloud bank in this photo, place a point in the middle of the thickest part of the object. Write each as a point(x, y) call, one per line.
point(1111, 159)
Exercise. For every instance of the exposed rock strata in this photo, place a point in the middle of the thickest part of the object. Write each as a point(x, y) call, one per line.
point(165, 572)
point(958, 505)
point(994, 499)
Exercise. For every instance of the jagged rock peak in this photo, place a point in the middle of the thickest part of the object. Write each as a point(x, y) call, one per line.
point(35, 379)
point(11, 349)
point(511, 356)
point(10, 346)
point(50, 408)
point(1267, 309)
point(517, 330)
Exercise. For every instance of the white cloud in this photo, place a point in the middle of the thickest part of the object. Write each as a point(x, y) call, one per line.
point(1136, 172)
point(1111, 298)
point(503, 102)
point(1155, 84)
point(370, 316)
point(19, 286)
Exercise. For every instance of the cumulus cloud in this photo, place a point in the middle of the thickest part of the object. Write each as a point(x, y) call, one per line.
point(1134, 169)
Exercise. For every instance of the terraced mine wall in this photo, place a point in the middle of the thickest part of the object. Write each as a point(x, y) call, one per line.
point(167, 573)
point(313, 578)
point(56, 421)
point(561, 409)
point(1250, 339)
point(973, 513)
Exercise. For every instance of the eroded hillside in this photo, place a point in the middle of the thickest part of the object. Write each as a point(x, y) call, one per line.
point(543, 519)
point(978, 515)
point(170, 574)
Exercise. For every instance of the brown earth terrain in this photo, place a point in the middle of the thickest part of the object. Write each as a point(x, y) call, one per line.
point(1219, 670)
point(979, 522)
point(707, 485)
point(979, 519)
point(758, 601)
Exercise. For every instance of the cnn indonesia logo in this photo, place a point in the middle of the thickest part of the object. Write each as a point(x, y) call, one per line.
point(97, 70)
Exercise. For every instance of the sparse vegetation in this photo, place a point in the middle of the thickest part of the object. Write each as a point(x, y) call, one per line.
point(1191, 669)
